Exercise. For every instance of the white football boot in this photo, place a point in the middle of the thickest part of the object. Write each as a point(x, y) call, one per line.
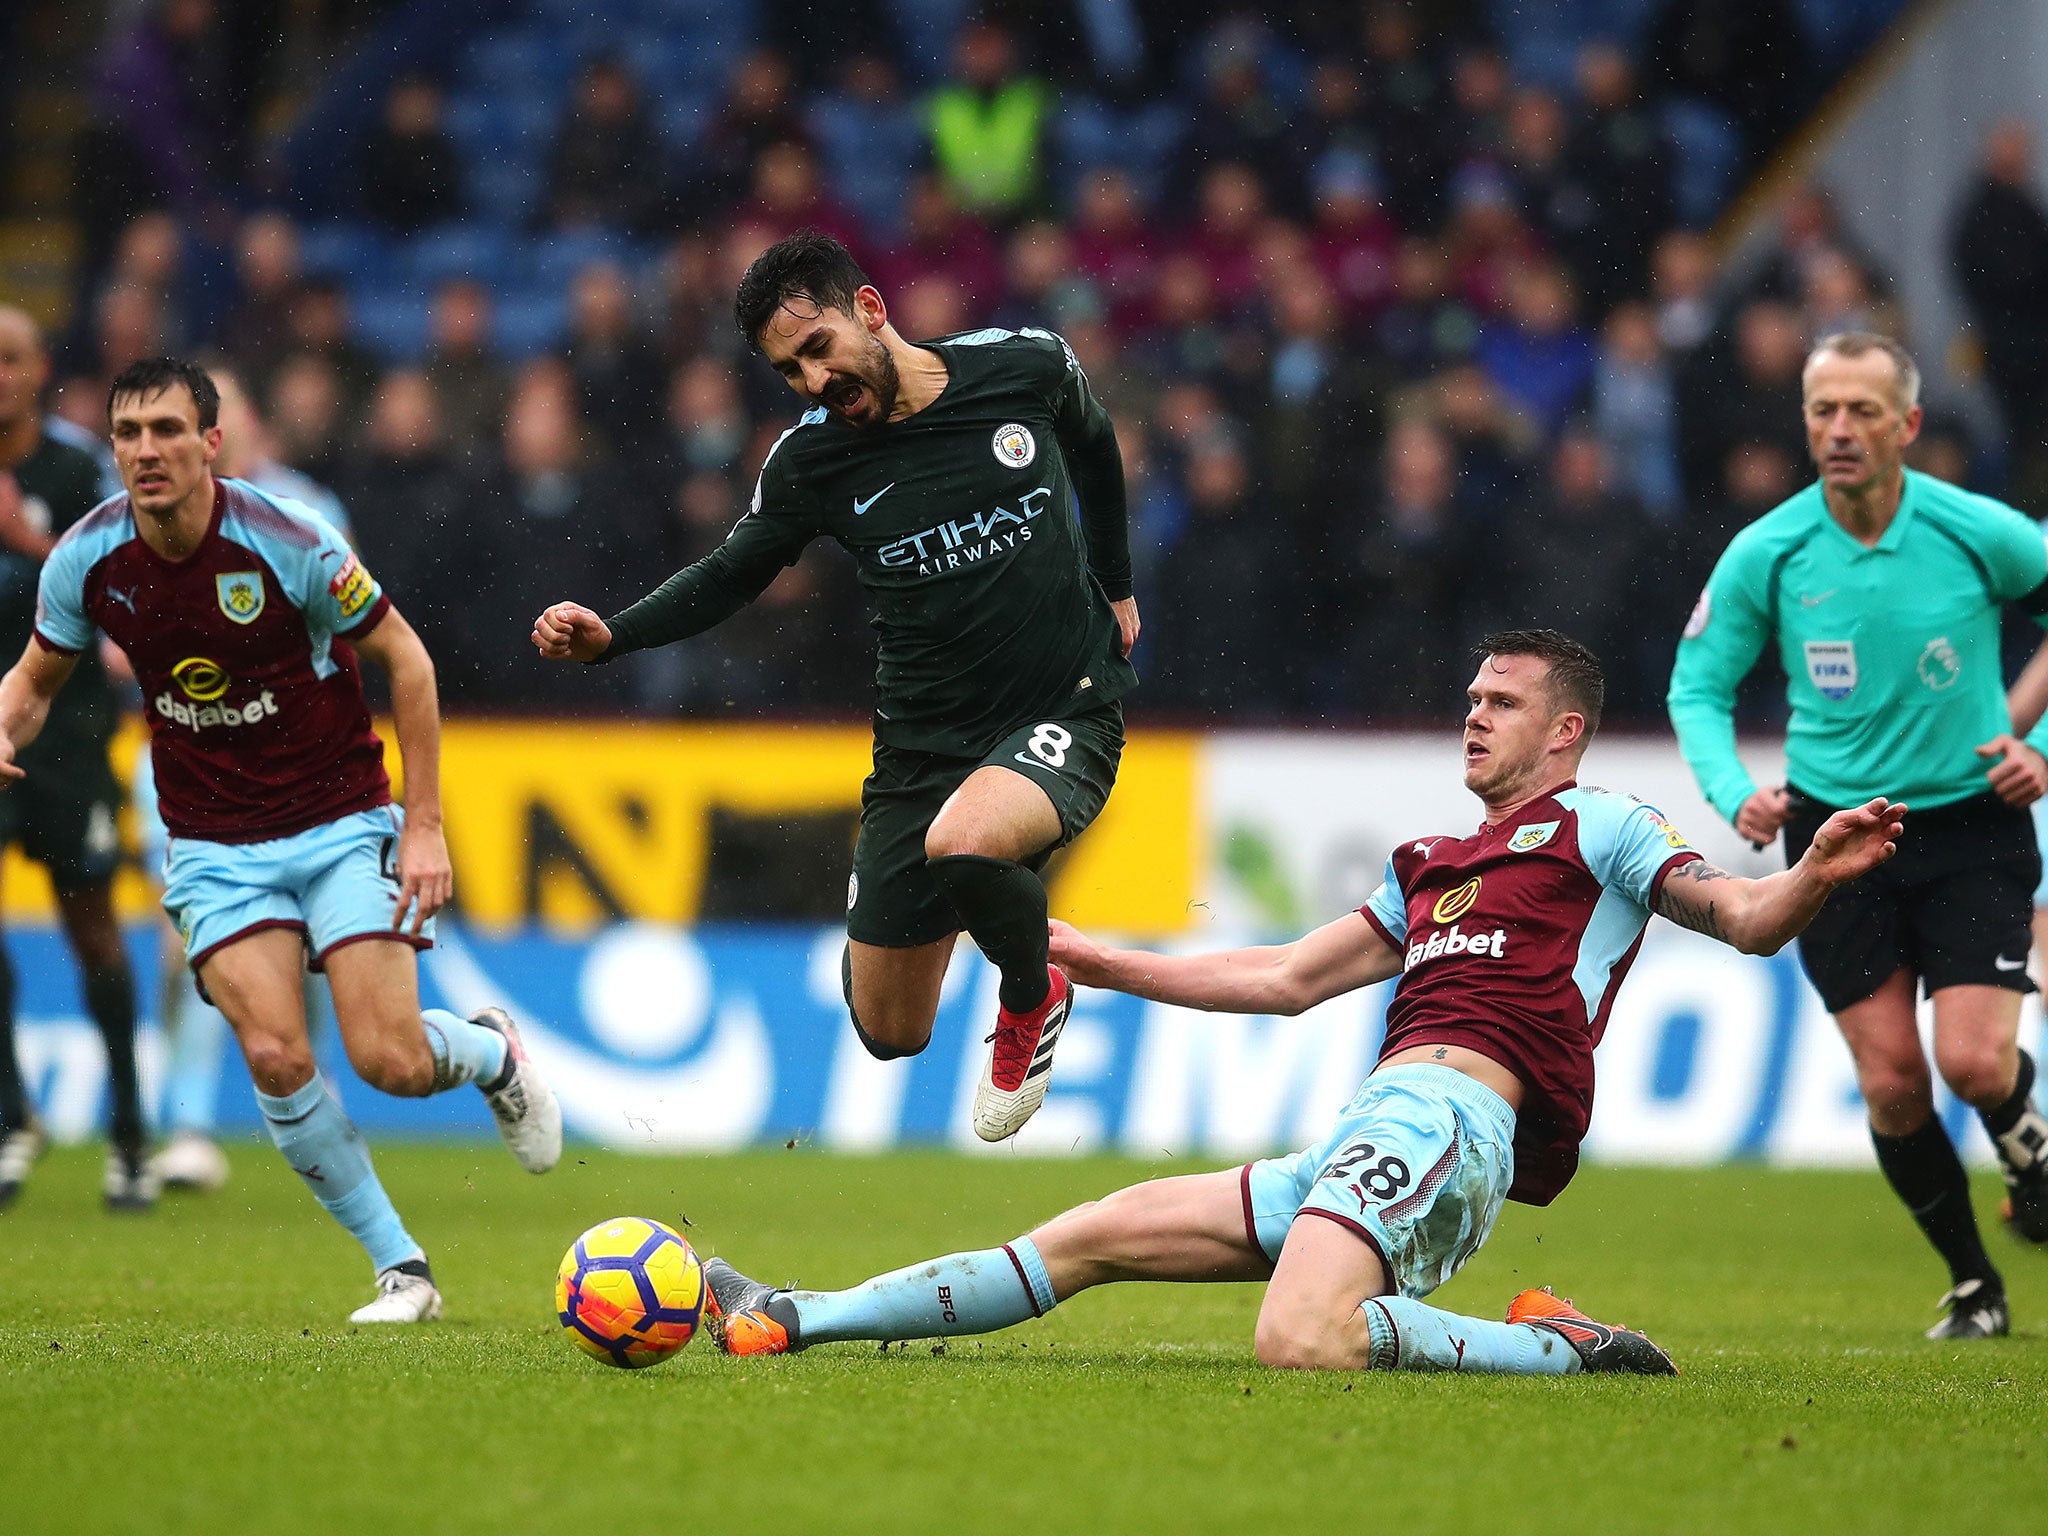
point(18, 1153)
point(405, 1294)
point(130, 1182)
point(1019, 1066)
point(191, 1160)
point(528, 1117)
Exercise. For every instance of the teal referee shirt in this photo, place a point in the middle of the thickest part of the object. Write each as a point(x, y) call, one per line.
point(1892, 651)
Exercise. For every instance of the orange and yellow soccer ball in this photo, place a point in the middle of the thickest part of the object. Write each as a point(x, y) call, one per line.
point(630, 1292)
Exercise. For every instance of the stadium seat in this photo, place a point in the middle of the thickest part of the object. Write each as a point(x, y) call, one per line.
point(433, 256)
point(549, 264)
point(506, 190)
point(1708, 144)
point(529, 322)
point(356, 252)
point(391, 323)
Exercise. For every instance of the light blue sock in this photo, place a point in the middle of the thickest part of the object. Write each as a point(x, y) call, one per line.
point(942, 1298)
point(463, 1052)
point(197, 1031)
point(329, 1153)
point(1409, 1336)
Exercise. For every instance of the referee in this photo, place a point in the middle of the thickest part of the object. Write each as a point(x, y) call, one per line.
point(1881, 589)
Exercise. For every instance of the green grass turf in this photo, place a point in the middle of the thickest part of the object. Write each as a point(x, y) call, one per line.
point(189, 1372)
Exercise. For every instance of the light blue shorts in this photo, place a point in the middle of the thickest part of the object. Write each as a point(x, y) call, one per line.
point(1417, 1165)
point(335, 883)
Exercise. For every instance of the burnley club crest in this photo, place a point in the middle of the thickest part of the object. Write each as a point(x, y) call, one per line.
point(241, 594)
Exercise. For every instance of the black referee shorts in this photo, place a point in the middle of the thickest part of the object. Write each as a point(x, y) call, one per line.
point(1954, 905)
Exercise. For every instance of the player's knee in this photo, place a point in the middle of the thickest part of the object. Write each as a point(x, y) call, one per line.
point(1894, 1082)
point(1978, 1072)
point(890, 1039)
point(278, 1066)
point(402, 1069)
point(1285, 1344)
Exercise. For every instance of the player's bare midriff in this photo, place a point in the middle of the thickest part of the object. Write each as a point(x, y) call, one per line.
point(1462, 1058)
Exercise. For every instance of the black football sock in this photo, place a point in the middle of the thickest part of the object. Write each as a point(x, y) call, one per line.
point(13, 1097)
point(110, 999)
point(1002, 904)
point(2016, 1128)
point(1928, 1176)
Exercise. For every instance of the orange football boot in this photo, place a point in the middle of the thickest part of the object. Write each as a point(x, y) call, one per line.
point(1600, 1346)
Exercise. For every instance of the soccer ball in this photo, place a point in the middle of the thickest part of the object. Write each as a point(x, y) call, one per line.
point(630, 1292)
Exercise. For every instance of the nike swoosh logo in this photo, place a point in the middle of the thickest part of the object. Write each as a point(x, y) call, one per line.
point(860, 506)
point(1815, 602)
point(2010, 965)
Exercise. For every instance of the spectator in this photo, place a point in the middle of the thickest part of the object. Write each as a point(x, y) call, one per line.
point(1221, 646)
point(619, 379)
point(1491, 444)
point(1540, 356)
point(787, 196)
point(704, 431)
point(410, 499)
point(941, 241)
point(164, 89)
point(690, 312)
point(988, 127)
point(605, 168)
point(1755, 477)
point(1337, 122)
point(869, 138)
point(128, 323)
point(469, 383)
point(1748, 57)
point(1353, 241)
point(1752, 395)
point(1583, 563)
point(1323, 418)
point(1480, 88)
point(755, 113)
point(1488, 240)
point(1560, 202)
point(558, 520)
point(150, 257)
point(1427, 326)
point(1042, 282)
point(1112, 246)
point(1683, 275)
point(1635, 410)
point(1412, 570)
point(411, 175)
point(1618, 152)
point(1999, 249)
point(1231, 216)
point(309, 415)
point(1808, 233)
point(1238, 121)
point(267, 264)
point(320, 325)
point(1412, 119)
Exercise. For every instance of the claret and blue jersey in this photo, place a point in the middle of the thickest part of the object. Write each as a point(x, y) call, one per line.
point(1514, 942)
point(258, 724)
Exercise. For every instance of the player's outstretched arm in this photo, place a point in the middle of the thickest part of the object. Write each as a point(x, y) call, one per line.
point(25, 695)
point(1285, 979)
point(1759, 917)
point(426, 877)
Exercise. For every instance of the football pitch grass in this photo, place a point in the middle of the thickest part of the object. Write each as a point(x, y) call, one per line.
point(190, 1371)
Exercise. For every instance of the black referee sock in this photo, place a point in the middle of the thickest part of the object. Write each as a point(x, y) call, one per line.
point(13, 1098)
point(1002, 904)
point(2016, 1128)
point(1928, 1176)
point(110, 999)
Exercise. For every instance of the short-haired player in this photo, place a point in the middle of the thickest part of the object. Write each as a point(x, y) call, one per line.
point(1509, 943)
point(242, 614)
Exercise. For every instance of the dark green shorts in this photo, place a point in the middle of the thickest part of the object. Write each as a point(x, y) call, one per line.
point(891, 901)
point(63, 814)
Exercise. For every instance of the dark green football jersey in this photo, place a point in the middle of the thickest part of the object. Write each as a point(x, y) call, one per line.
point(991, 597)
point(59, 485)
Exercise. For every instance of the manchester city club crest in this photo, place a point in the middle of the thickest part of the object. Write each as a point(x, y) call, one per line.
point(240, 594)
point(1532, 837)
point(1015, 446)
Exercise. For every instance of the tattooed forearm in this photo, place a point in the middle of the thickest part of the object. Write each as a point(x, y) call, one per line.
point(1699, 870)
point(1699, 917)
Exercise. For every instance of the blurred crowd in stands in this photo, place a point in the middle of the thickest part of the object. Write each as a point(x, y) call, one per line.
point(1401, 345)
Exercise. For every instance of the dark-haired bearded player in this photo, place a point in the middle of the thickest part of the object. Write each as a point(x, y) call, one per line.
point(950, 470)
point(1510, 944)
